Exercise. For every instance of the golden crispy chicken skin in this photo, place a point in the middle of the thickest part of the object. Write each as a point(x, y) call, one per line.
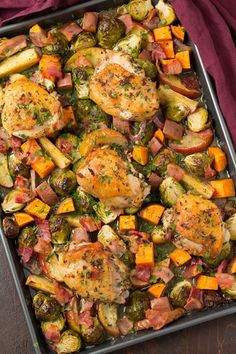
point(121, 88)
point(30, 111)
point(105, 175)
point(94, 273)
point(198, 226)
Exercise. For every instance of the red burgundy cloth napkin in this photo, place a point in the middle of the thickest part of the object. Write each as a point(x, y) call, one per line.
point(211, 24)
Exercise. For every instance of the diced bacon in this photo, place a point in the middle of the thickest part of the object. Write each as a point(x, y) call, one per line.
point(143, 272)
point(173, 130)
point(193, 304)
point(191, 271)
point(53, 72)
point(43, 229)
point(172, 68)
point(81, 62)
point(128, 22)
point(43, 247)
point(23, 198)
point(65, 82)
point(62, 294)
point(157, 52)
point(225, 280)
point(191, 82)
point(209, 173)
point(79, 234)
point(65, 146)
point(163, 273)
point(46, 193)
point(90, 21)
point(13, 45)
point(135, 239)
point(161, 304)
point(25, 253)
point(158, 320)
point(69, 30)
point(117, 247)
point(3, 147)
point(20, 155)
point(86, 305)
point(14, 142)
point(154, 180)
point(125, 325)
point(86, 319)
point(52, 333)
point(145, 236)
point(155, 146)
point(222, 266)
point(89, 224)
point(152, 20)
point(141, 325)
point(121, 124)
point(145, 55)
point(21, 183)
point(39, 38)
point(175, 171)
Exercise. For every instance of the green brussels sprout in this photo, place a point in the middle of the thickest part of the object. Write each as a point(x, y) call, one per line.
point(166, 12)
point(145, 131)
point(176, 111)
point(69, 145)
point(180, 293)
point(224, 254)
point(104, 213)
point(17, 167)
point(231, 226)
point(149, 68)
point(139, 303)
point(27, 237)
point(60, 47)
point(10, 227)
point(70, 342)
point(58, 322)
point(45, 307)
point(109, 31)
point(158, 235)
point(162, 159)
point(63, 182)
point(197, 121)
point(84, 40)
point(139, 9)
point(9, 205)
point(198, 163)
point(130, 44)
point(60, 229)
point(230, 293)
point(107, 235)
point(83, 201)
point(122, 10)
point(81, 79)
point(170, 191)
point(91, 115)
point(93, 335)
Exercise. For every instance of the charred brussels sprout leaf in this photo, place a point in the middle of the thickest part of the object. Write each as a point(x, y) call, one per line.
point(16, 167)
point(27, 237)
point(63, 182)
point(139, 303)
point(10, 227)
point(180, 293)
point(93, 335)
point(60, 46)
point(84, 40)
point(149, 68)
point(70, 342)
point(91, 115)
point(69, 146)
point(60, 229)
point(110, 31)
point(170, 191)
point(46, 308)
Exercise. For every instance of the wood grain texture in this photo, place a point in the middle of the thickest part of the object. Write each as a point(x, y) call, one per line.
point(215, 337)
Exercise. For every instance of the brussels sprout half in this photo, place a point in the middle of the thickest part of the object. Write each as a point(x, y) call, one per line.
point(170, 191)
point(197, 163)
point(139, 303)
point(139, 9)
point(180, 293)
point(93, 335)
point(60, 229)
point(109, 31)
point(45, 307)
point(27, 237)
point(17, 167)
point(9, 204)
point(84, 40)
point(63, 182)
point(10, 227)
point(70, 342)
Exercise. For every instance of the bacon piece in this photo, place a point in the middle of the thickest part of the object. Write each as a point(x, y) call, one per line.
point(191, 271)
point(145, 55)
point(52, 333)
point(161, 304)
point(175, 171)
point(46, 193)
point(173, 67)
point(25, 253)
point(117, 247)
point(152, 20)
point(173, 130)
point(43, 247)
point(86, 319)
point(128, 22)
point(155, 146)
point(79, 234)
point(72, 315)
point(157, 52)
point(121, 124)
point(90, 21)
point(90, 224)
point(39, 36)
point(225, 280)
point(158, 320)
point(143, 272)
point(209, 173)
point(163, 273)
point(86, 305)
point(50, 67)
point(14, 142)
point(21, 183)
point(62, 294)
point(222, 266)
point(141, 325)
point(65, 82)
point(191, 82)
point(81, 62)
point(13, 45)
point(154, 180)
point(43, 229)
point(195, 300)
point(69, 30)
point(125, 325)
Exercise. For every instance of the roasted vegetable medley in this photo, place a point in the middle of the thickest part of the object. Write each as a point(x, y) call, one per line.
point(113, 186)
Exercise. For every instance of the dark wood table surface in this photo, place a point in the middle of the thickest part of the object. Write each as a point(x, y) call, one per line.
point(215, 337)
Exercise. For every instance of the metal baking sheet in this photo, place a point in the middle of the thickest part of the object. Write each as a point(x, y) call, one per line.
point(223, 139)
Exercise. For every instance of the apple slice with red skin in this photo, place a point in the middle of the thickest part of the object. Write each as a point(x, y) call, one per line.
point(176, 84)
point(193, 142)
